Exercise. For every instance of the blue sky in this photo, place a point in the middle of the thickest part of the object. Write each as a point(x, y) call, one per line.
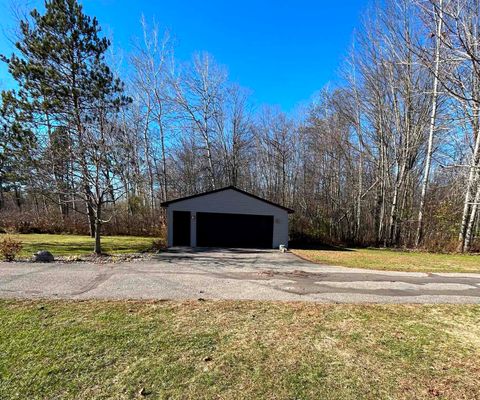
point(283, 51)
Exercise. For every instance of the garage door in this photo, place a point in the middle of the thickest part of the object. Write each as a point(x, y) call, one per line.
point(181, 228)
point(234, 230)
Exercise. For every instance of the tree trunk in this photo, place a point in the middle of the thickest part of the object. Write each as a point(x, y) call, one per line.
point(164, 163)
point(91, 219)
point(472, 178)
point(393, 216)
point(359, 197)
point(18, 198)
point(208, 148)
point(431, 131)
point(2, 199)
point(383, 175)
point(471, 223)
point(210, 163)
point(98, 227)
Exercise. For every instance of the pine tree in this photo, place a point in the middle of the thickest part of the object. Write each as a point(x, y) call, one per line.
point(64, 82)
point(16, 145)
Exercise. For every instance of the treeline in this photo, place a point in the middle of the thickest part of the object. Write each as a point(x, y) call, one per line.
point(391, 156)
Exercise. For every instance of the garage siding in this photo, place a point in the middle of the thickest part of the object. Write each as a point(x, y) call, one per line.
point(230, 202)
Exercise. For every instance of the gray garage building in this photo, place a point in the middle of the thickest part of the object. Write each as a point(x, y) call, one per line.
point(227, 217)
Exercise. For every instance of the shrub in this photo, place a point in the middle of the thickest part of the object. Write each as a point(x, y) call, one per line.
point(158, 245)
point(10, 247)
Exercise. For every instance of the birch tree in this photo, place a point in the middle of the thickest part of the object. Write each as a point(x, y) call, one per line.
point(198, 96)
point(153, 64)
point(461, 21)
point(438, 24)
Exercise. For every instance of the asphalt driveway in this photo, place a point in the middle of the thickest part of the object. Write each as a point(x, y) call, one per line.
point(233, 274)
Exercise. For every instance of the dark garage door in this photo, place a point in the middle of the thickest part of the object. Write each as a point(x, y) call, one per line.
point(181, 228)
point(234, 230)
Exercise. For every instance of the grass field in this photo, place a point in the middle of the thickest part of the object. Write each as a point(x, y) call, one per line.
point(69, 245)
point(237, 350)
point(393, 260)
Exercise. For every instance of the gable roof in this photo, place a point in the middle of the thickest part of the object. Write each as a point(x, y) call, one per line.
point(167, 203)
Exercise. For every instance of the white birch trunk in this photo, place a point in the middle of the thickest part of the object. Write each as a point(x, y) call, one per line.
point(473, 216)
point(431, 131)
point(472, 177)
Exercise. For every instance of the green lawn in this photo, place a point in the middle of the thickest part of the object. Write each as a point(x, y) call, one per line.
point(393, 260)
point(69, 245)
point(237, 350)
